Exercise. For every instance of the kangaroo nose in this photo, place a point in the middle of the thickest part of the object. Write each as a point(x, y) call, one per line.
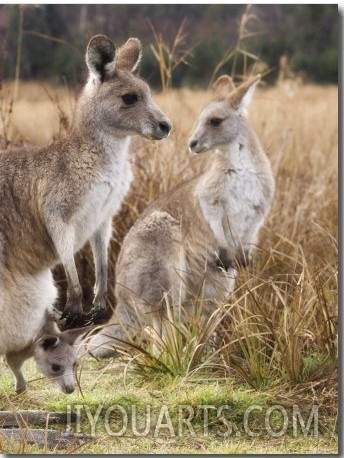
point(193, 144)
point(69, 389)
point(165, 127)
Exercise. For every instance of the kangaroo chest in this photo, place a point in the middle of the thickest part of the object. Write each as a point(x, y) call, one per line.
point(102, 201)
point(232, 202)
point(242, 194)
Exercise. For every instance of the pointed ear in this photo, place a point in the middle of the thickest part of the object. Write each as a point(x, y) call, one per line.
point(242, 95)
point(48, 342)
point(223, 86)
point(101, 57)
point(71, 335)
point(129, 55)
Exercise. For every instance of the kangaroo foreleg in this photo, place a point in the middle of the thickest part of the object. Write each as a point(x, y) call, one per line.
point(63, 237)
point(99, 244)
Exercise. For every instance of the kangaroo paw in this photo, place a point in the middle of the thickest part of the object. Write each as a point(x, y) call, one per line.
point(96, 315)
point(70, 320)
point(224, 259)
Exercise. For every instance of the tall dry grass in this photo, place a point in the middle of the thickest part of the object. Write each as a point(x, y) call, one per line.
point(280, 325)
point(37, 114)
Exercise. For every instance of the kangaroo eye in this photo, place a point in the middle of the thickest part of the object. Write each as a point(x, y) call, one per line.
point(56, 367)
point(215, 121)
point(130, 99)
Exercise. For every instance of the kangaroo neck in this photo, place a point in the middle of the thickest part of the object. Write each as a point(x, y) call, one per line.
point(112, 145)
point(109, 146)
point(235, 156)
point(107, 142)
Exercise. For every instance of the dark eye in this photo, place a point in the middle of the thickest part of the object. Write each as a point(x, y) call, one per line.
point(215, 121)
point(56, 367)
point(130, 99)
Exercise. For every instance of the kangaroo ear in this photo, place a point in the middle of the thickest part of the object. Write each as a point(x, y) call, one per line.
point(129, 55)
point(223, 86)
point(101, 57)
point(71, 335)
point(241, 97)
point(48, 342)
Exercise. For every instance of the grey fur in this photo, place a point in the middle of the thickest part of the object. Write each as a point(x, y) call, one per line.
point(54, 353)
point(191, 241)
point(57, 197)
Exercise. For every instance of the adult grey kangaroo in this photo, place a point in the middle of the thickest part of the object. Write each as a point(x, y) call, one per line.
point(55, 198)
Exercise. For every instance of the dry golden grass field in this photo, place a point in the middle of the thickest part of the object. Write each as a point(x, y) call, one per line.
point(278, 333)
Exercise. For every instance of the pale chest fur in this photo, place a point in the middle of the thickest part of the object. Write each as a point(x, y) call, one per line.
point(104, 197)
point(232, 199)
point(242, 195)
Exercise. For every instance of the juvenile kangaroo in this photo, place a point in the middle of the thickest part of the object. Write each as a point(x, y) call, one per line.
point(56, 198)
point(198, 235)
point(52, 349)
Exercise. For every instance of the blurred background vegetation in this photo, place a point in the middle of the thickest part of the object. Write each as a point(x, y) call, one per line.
point(48, 42)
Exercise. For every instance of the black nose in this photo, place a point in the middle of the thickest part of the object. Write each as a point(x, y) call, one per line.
point(193, 144)
point(69, 389)
point(164, 127)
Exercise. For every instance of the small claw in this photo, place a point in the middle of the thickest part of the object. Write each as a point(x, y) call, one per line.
point(96, 315)
point(70, 320)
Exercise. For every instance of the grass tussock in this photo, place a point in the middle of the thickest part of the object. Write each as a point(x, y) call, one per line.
point(278, 333)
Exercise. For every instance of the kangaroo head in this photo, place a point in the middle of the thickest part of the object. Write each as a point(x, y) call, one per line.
point(224, 120)
point(115, 100)
point(55, 356)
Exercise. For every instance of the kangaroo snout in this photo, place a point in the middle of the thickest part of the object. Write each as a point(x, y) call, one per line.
point(192, 145)
point(198, 141)
point(66, 381)
point(195, 146)
point(68, 389)
point(161, 130)
point(165, 128)
point(157, 128)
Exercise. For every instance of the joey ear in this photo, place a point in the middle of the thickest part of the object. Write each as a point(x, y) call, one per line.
point(101, 57)
point(241, 97)
point(223, 86)
point(48, 342)
point(129, 55)
point(71, 335)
